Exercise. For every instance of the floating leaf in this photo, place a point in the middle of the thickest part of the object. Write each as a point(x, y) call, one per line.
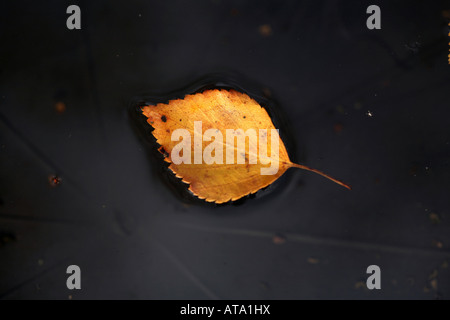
point(219, 110)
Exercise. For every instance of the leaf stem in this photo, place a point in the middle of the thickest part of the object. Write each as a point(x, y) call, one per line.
point(321, 173)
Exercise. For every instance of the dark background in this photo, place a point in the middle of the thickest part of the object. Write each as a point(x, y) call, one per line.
point(134, 239)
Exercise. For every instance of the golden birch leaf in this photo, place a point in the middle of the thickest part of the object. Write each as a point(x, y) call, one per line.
point(204, 119)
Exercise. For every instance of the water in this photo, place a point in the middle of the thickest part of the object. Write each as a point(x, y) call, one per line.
point(132, 237)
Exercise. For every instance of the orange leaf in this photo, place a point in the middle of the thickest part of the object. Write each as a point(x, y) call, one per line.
point(210, 165)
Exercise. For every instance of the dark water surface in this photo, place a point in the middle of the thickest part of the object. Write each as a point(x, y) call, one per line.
point(368, 107)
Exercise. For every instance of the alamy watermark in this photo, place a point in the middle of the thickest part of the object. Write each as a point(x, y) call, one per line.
point(74, 20)
point(374, 280)
point(213, 153)
point(74, 280)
